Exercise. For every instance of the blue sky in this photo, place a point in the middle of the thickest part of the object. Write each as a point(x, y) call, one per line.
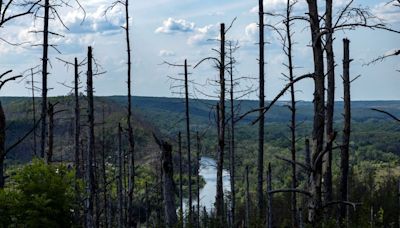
point(172, 30)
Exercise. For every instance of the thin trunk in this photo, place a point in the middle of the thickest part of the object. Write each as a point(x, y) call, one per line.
point(77, 120)
point(180, 178)
point(221, 136)
point(50, 113)
point(34, 114)
point(232, 143)
point(247, 220)
point(293, 113)
point(168, 184)
point(327, 161)
point(104, 169)
point(198, 178)
point(269, 188)
point(44, 77)
point(131, 154)
point(2, 145)
point(90, 146)
point(188, 141)
point(119, 180)
point(260, 158)
point(315, 203)
point(344, 156)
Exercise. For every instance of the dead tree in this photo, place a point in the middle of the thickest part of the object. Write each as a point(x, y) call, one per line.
point(261, 123)
point(315, 202)
point(180, 178)
point(344, 155)
point(168, 183)
point(50, 113)
point(3, 150)
point(77, 118)
point(90, 179)
point(198, 178)
point(120, 179)
point(330, 101)
point(44, 75)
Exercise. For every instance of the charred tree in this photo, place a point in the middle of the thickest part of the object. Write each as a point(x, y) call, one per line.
point(168, 183)
point(44, 76)
point(77, 118)
point(33, 113)
point(344, 155)
point(50, 113)
point(90, 179)
point(315, 203)
point(261, 123)
point(219, 198)
point(330, 58)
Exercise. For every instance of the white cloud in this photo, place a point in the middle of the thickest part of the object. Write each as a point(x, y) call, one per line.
point(251, 33)
point(172, 25)
point(166, 53)
point(204, 34)
point(388, 12)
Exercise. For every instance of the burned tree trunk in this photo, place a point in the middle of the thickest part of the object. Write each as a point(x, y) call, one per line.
point(198, 179)
point(119, 179)
point(327, 161)
point(131, 185)
point(44, 77)
point(50, 113)
point(168, 183)
point(2, 145)
point(33, 113)
point(77, 120)
point(344, 155)
point(188, 141)
point(90, 189)
point(260, 158)
point(315, 203)
point(180, 178)
point(219, 201)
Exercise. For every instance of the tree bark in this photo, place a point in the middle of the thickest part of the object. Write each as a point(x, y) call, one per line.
point(90, 146)
point(2, 145)
point(50, 113)
point(44, 77)
point(330, 58)
point(188, 141)
point(261, 123)
point(344, 158)
point(315, 203)
point(168, 184)
point(221, 129)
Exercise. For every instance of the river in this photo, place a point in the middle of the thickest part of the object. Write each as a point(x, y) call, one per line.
point(208, 171)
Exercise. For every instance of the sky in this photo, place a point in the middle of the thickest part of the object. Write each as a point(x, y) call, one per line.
point(175, 30)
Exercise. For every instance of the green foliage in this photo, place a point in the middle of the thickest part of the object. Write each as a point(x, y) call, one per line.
point(42, 196)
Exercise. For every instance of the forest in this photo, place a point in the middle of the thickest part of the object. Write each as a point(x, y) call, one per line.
point(223, 153)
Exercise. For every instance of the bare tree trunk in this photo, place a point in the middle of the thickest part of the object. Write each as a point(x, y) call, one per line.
point(168, 183)
point(327, 161)
point(180, 179)
point(269, 188)
point(50, 113)
point(344, 161)
point(131, 155)
point(104, 172)
point(293, 112)
point(260, 159)
point(198, 179)
point(119, 180)
point(33, 114)
point(247, 219)
point(77, 120)
point(315, 203)
point(90, 147)
point(232, 142)
point(221, 136)
point(2, 145)
point(44, 77)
